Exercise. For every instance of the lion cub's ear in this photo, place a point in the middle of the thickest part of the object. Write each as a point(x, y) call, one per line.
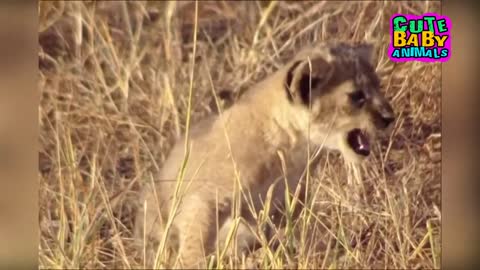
point(307, 79)
point(365, 51)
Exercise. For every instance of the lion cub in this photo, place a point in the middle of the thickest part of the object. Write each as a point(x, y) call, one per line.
point(325, 96)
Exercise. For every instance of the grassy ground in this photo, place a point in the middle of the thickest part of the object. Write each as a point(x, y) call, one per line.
point(114, 80)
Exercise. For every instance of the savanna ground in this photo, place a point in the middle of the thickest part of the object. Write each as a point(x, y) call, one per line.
point(115, 79)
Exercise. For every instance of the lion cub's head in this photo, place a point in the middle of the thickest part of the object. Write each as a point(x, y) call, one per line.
point(337, 88)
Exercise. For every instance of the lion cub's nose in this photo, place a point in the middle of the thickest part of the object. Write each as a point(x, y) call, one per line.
point(387, 120)
point(386, 116)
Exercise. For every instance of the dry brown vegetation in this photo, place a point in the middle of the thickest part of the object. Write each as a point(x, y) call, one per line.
point(114, 80)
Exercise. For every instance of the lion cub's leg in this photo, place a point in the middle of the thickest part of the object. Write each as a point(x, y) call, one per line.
point(240, 242)
point(195, 221)
point(148, 228)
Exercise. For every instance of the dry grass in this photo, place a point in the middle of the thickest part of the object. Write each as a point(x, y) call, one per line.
point(114, 80)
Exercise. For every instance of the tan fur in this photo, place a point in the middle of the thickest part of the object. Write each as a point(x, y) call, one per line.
point(240, 152)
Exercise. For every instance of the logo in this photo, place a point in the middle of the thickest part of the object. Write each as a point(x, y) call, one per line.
point(423, 38)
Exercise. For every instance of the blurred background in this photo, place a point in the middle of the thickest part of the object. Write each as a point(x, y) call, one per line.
point(27, 56)
point(460, 224)
point(18, 135)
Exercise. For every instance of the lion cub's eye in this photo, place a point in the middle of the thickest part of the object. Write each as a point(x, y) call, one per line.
point(357, 97)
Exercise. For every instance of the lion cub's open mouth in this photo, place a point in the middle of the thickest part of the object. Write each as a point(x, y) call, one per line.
point(358, 140)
